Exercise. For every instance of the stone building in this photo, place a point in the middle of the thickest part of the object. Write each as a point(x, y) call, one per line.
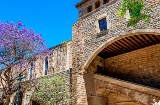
point(107, 62)
point(114, 63)
point(59, 61)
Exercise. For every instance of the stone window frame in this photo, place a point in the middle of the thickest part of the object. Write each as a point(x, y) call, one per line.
point(97, 22)
point(102, 24)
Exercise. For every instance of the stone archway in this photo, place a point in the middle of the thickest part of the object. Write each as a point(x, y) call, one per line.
point(146, 40)
point(113, 39)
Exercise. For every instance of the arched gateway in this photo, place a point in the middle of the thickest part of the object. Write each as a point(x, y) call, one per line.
point(125, 70)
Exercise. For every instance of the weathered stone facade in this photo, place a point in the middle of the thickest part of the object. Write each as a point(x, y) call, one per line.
point(88, 42)
point(127, 78)
point(59, 62)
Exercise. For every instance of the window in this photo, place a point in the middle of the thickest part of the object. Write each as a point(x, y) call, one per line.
point(99, 69)
point(31, 71)
point(97, 4)
point(103, 24)
point(89, 9)
point(105, 1)
point(46, 66)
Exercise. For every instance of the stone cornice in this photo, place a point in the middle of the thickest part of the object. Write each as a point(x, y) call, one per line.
point(98, 9)
point(80, 3)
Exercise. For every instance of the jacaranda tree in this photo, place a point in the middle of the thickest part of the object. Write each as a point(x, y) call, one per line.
point(17, 46)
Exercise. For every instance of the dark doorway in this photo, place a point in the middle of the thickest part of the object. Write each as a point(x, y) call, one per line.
point(99, 69)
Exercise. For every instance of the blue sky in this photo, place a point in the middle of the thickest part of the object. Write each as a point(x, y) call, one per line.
point(51, 18)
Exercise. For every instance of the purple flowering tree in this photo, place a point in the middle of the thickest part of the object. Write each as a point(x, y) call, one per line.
point(17, 46)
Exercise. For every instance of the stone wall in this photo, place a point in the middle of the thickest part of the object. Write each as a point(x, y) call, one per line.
point(82, 9)
point(117, 26)
point(27, 93)
point(59, 60)
point(87, 38)
point(141, 66)
point(87, 27)
point(118, 92)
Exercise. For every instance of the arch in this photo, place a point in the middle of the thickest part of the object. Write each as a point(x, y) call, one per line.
point(113, 39)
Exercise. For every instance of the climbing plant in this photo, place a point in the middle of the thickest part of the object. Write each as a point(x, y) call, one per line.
point(137, 11)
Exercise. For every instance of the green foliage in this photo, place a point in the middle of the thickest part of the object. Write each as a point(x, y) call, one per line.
point(53, 91)
point(138, 11)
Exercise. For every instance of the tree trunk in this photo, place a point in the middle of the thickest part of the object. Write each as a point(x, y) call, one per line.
point(7, 88)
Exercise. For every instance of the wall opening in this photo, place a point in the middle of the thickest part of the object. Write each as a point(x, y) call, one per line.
point(134, 59)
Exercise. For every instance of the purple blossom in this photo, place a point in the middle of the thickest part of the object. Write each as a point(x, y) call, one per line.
point(18, 42)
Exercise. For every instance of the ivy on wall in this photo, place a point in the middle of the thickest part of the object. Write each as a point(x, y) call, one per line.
point(137, 11)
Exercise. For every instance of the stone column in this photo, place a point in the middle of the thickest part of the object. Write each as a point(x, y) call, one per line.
point(78, 81)
point(81, 90)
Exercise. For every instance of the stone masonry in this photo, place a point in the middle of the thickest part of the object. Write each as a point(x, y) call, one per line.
point(59, 62)
point(131, 78)
point(88, 41)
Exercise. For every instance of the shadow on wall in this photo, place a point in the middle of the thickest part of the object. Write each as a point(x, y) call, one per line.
point(137, 79)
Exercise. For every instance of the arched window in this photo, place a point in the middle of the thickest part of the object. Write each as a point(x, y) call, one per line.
point(46, 66)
